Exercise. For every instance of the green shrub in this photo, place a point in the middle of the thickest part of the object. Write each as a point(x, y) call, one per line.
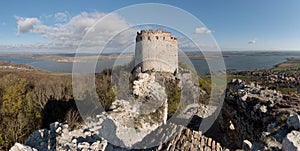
point(104, 89)
point(174, 94)
point(19, 116)
point(205, 84)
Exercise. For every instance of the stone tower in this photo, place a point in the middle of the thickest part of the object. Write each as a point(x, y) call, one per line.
point(156, 51)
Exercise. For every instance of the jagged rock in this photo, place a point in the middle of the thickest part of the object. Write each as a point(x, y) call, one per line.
point(244, 98)
point(231, 126)
point(79, 140)
point(259, 117)
point(271, 143)
point(291, 142)
point(294, 121)
point(74, 141)
point(237, 81)
point(100, 146)
point(263, 109)
point(58, 130)
point(240, 81)
point(21, 147)
point(265, 134)
point(141, 86)
point(83, 145)
point(247, 145)
point(260, 108)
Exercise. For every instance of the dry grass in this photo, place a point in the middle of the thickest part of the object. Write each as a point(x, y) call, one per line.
point(73, 118)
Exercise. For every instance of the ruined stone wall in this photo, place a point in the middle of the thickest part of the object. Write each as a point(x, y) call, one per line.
point(156, 51)
point(256, 114)
point(193, 140)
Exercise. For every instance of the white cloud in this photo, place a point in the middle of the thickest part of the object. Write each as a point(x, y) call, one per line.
point(252, 41)
point(202, 30)
point(61, 17)
point(69, 33)
point(30, 25)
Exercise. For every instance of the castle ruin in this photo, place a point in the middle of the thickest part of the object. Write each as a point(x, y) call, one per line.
point(156, 51)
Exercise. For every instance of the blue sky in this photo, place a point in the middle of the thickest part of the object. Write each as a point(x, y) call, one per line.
point(235, 24)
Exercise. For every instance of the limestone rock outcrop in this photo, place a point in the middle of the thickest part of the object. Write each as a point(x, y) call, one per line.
point(291, 142)
point(21, 147)
point(85, 138)
point(260, 115)
point(247, 145)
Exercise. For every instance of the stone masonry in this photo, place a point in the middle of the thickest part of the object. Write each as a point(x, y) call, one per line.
point(156, 51)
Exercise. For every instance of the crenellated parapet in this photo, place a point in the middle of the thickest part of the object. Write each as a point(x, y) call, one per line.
point(156, 51)
point(158, 35)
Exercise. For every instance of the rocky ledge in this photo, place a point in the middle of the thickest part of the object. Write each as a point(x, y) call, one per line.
point(60, 137)
point(254, 117)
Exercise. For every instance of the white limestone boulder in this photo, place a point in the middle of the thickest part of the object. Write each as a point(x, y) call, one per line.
point(21, 147)
point(291, 142)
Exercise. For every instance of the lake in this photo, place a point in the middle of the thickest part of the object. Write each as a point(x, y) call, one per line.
point(236, 61)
